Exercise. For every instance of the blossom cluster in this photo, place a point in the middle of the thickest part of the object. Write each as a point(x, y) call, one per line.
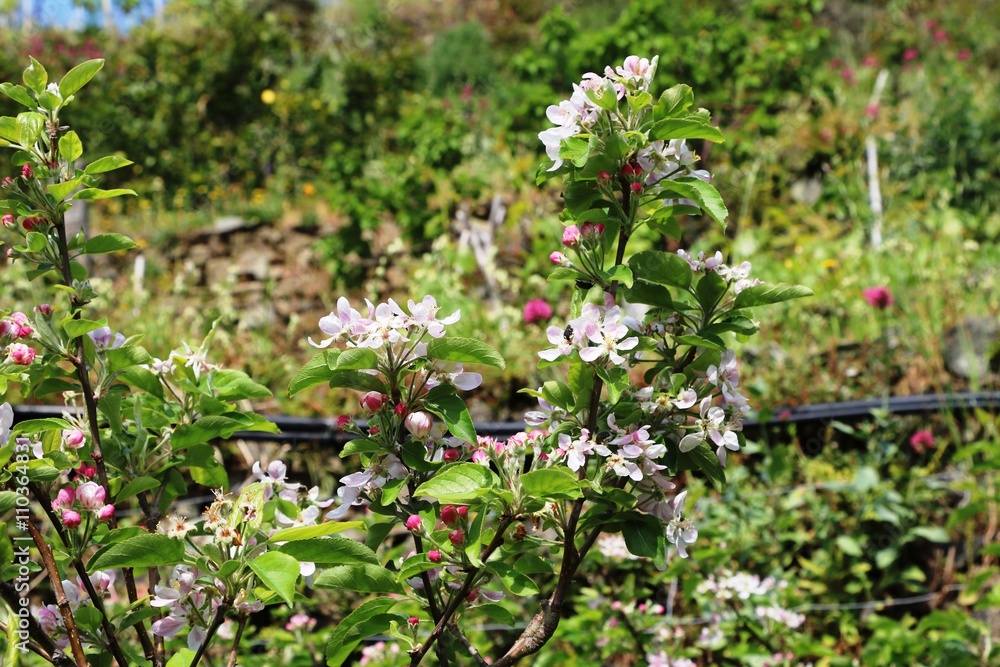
point(385, 325)
point(599, 333)
point(87, 497)
point(50, 619)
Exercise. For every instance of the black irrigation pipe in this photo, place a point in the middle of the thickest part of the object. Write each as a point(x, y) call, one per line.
point(304, 430)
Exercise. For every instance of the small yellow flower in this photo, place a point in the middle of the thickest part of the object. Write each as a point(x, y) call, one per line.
point(829, 263)
point(308, 189)
point(268, 96)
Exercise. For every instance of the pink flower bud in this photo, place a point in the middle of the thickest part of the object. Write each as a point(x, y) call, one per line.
point(400, 410)
point(910, 54)
point(571, 235)
point(86, 471)
point(457, 537)
point(922, 439)
point(636, 187)
point(7, 220)
point(473, 594)
point(32, 223)
point(7, 182)
point(599, 228)
point(451, 455)
point(91, 495)
point(71, 519)
point(74, 438)
point(21, 354)
point(558, 258)
point(342, 421)
point(449, 515)
point(372, 402)
point(26, 172)
point(419, 424)
point(413, 523)
point(463, 511)
point(64, 499)
point(628, 170)
point(434, 556)
point(106, 513)
point(45, 309)
point(412, 621)
point(603, 177)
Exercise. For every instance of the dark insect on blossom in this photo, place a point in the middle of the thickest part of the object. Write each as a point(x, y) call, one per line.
point(568, 333)
point(584, 285)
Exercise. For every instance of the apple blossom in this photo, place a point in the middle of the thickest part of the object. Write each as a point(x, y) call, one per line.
point(74, 438)
point(71, 519)
point(419, 424)
point(90, 495)
point(20, 354)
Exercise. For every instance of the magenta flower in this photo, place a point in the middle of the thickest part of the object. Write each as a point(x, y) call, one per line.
point(71, 519)
point(910, 54)
point(879, 297)
point(21, 354)
point(922, 439)
point(413, 523)
point(537, 310)
point(106, 513)
point(571, 235)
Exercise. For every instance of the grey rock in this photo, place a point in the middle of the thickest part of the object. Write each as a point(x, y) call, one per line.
point(972, 348)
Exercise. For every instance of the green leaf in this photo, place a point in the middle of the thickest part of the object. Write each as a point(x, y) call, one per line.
point(357, 380)
point(316, 371)
point(760, 295)
point(234, 385)
point(105, 164)
point(35, 77)
point(98, 193)
point(370, 618)
point(357, 358)
point(8, 128)
point(127, 356)
point(78, 77)
point(691, 127)
point(140, 551)
point(29, 127)
point(498, 613)
point(329, 551)
point(710, 289)
point(701, 193)
point(559, 394)
point(414, 566)
point(205, 469)
point(661, 268)
point(531, 564)
point(219, 426)
point(673, 101)
point(359, 446)
point(62, 190)
point(20, 95)
point(277, 571)
point(645, 536)
point(70, 146)
point(8, 501)
point(556, 483)
point(105, 243)
point(515, 582)
point(183, 658)
point(459, 483)
point(137, 486)
point(849, 546)
point(308, 532)
point(648, 293)
point(621, 273)
point(932, 534)
point(34, 426)
point(705, 459)
point(464, 351)
point(76, 328)
point(88, 618)
point(442, 401)
point(365, 577)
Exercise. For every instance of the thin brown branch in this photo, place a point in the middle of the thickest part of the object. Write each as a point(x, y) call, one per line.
point(220, 616)
point(40, 642)
point(234, 652)
point(76, 648)
point(456, 598)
